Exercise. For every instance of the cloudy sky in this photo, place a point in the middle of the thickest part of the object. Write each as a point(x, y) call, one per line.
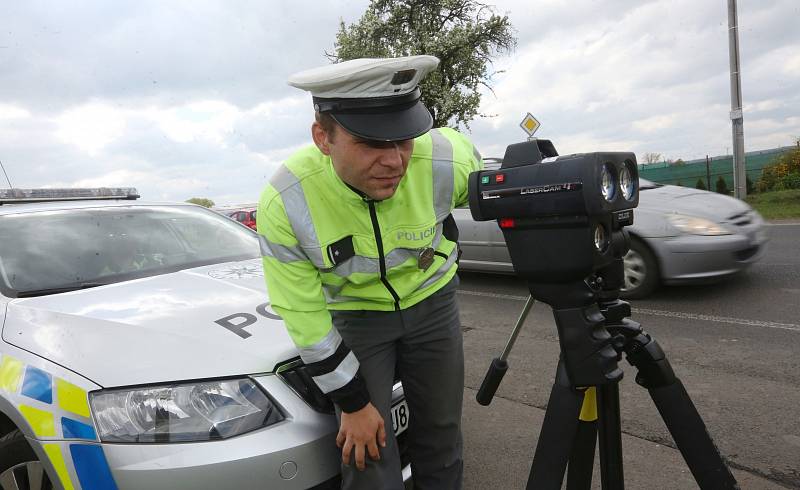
point(188, 99)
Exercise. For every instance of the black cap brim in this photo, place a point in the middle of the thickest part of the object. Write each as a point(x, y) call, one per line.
point(401, 123)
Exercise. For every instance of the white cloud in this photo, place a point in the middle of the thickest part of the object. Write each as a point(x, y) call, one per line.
point(9, 111)
point(90, 127)
point(656, 123)
point(210, 120)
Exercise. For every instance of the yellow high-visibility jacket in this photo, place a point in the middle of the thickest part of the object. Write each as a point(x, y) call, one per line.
point(326, 247)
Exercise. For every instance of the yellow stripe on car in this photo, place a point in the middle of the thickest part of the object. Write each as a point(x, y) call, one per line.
point(10, 374)
point(57, 459)
point(41, 422)
point(72, 398)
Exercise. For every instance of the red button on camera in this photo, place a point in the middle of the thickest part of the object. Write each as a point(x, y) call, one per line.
point(499, 178)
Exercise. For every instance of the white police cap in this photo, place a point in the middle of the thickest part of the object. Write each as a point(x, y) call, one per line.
point(372, 98)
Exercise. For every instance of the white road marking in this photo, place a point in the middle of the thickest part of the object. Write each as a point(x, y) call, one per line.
point(493, 295)
point(718, 319)
point(670, 314)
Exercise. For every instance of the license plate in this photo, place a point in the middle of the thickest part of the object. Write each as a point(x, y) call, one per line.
point(400, 417)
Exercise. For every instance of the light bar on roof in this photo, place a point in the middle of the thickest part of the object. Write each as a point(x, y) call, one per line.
point(8, 196)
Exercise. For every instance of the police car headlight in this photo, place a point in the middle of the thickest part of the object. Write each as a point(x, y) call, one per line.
point(201, 411)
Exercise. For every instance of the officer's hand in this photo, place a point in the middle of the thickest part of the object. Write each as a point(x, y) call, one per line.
point(360, 430)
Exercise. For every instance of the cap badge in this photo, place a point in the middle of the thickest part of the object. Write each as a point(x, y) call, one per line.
point(403, 76)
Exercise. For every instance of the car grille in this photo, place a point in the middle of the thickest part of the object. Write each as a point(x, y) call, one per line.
point(742, 219)
point(295, 374)
point(747, 253)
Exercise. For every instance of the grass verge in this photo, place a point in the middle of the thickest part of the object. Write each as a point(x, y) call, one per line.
point(777, 204)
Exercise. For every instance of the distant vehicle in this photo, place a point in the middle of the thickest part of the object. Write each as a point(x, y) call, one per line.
point(246, 217)
point(679, 235)
point(139, 350)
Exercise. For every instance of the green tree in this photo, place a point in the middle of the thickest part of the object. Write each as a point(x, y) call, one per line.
point(464, 34)
point(722, 186)
point(700, 184)
point(749, 187)
point(782, 173)
point(202, 201)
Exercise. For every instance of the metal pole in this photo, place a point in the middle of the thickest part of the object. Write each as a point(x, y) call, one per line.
point(737, 119)
point(7, 179)
point(708, 175)
point(518, 327)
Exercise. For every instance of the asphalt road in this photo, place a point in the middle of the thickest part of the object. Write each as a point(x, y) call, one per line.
point(734, 345)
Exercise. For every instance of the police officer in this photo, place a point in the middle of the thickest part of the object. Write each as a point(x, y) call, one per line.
point(360, 258)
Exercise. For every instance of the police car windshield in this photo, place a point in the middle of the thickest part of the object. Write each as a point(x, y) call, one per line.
point(55, 251)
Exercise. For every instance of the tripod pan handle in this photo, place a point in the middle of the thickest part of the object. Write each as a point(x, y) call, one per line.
point(491, 381)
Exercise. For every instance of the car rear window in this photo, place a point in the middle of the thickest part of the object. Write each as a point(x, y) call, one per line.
point(52, 251)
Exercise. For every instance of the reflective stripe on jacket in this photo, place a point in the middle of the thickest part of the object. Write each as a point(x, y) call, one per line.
point(307, 215)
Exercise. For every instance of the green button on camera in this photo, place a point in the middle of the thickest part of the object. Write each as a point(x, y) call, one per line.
point(485, 179)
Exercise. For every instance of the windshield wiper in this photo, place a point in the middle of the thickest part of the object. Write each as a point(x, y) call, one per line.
point(60, 289)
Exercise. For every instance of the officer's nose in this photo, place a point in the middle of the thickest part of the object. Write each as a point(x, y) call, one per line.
point(392, 156)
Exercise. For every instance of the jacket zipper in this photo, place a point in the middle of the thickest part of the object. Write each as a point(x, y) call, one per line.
point(379, 241)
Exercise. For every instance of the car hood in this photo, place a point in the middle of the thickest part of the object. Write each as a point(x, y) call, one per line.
point(694, 202)
point(205, 322)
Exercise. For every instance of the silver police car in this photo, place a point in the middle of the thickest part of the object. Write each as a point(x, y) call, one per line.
point(139, 350)
point(679, 235)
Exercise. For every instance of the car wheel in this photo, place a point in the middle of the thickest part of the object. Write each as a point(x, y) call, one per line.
point(20, 468)
point(641, 271)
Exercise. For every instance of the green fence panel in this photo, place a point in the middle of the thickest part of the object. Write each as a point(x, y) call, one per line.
point(688, 173)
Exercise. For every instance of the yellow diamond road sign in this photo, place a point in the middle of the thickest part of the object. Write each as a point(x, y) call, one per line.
point(530, 124)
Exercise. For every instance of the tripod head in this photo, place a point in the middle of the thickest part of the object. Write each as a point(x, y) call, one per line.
point(563, 220)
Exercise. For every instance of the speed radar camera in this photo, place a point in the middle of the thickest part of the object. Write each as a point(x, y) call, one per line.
point(559, 214)
point(563, 220)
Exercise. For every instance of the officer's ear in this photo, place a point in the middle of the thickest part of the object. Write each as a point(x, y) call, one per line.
point(321, 138)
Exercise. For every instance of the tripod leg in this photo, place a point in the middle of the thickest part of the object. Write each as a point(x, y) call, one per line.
point(581, 461)
point(691, 437)
point(677, 411)
point(557, 435)
point(610, 428)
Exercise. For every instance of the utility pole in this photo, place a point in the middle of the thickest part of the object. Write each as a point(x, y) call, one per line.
point(737, 119)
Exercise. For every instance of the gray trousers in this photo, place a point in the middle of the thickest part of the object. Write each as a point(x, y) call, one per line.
point(424, 343)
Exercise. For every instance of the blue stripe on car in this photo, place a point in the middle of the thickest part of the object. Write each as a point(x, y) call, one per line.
point(38, 385)
point(77, 430)
point(92, 467)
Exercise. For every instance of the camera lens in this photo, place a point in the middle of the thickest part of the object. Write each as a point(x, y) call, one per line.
point(607, 184)
point(626, 182)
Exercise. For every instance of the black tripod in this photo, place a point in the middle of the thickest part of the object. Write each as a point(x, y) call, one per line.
point(594, 331)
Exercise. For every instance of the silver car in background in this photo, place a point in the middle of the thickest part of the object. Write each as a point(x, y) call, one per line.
point(679, 235)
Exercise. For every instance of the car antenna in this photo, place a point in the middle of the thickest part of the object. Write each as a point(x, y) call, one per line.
point(4, 173)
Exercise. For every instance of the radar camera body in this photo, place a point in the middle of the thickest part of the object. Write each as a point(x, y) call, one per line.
point(559, 214)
